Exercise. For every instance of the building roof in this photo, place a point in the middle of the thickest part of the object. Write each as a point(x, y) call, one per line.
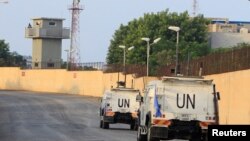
point(226, 21)
point(239, 22)
point(46, 18)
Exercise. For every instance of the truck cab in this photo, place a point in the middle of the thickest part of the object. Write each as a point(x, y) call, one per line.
point(178, 108)
point(119, 105)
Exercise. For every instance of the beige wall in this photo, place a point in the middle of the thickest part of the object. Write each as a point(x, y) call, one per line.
point(234, 87)
point(9, 78)
point(91, 83)
point(226, 39)
point(61, 81)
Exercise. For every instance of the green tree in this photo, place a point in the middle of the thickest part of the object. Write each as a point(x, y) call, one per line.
point(8, 58)
point(4, 53)
point(193, 39)
point(16, 60)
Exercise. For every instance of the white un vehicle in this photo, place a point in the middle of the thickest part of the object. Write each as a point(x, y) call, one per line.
point(178, 108)
point(119, 105)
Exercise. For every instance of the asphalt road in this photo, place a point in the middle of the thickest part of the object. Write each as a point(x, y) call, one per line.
point(29, 116)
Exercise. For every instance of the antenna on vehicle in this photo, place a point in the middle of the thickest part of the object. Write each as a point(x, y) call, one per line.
point(132, 83)
point(118, 80)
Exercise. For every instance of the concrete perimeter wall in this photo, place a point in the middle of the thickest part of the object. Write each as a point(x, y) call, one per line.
point(90, 83)
point(234, 87)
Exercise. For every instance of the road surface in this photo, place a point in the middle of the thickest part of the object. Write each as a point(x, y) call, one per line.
point(29, 116)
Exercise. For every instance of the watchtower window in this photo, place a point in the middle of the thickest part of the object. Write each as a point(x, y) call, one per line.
point(52, 23)
point(36, 64)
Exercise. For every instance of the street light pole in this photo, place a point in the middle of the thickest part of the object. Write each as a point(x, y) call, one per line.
point(177, 53)
point(148, 50)
point(176, 29)
point(124, 58)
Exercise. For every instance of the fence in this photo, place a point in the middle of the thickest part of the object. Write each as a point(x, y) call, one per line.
point(65, 65)
point(136, 69)
point(215, 63)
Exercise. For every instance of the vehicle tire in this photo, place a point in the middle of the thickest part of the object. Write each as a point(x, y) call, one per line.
point(149, 138)
point(136, 124)
point(141, 137)
point(136, 127)
point(132, 126)
point(204, 137)
point(105, 125)
point(101, 117)
point(101, 124)
point(195, 138)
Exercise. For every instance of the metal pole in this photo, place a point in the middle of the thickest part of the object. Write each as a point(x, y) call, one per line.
point(124, 65)
point(67, 60)
point(148, 49)
point(118, 79)
point(124, 59)
point(177, 54)
point(67, 64)
point(188, 62)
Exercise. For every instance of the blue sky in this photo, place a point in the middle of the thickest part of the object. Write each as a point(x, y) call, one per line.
point(101, 18)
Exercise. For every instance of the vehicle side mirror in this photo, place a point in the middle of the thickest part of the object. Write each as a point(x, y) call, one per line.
point(139, 98)
point(218, 95)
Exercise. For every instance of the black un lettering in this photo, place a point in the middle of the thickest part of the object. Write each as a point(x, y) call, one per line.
point(124, 103)
point(186, 99)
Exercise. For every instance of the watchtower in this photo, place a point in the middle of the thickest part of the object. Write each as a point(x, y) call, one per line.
point(47, 35)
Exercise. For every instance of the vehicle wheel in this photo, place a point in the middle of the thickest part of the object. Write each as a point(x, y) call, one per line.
point(136, 127)
point(204, 137)
point(141, 137)
point(101, 125)
point(136, 124)
point(195, 138)
point(132, 126)
point(149, 138)
point(105, 125)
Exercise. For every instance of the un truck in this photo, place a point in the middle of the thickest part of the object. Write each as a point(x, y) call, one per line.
point(119, 105)
point(178, 108)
